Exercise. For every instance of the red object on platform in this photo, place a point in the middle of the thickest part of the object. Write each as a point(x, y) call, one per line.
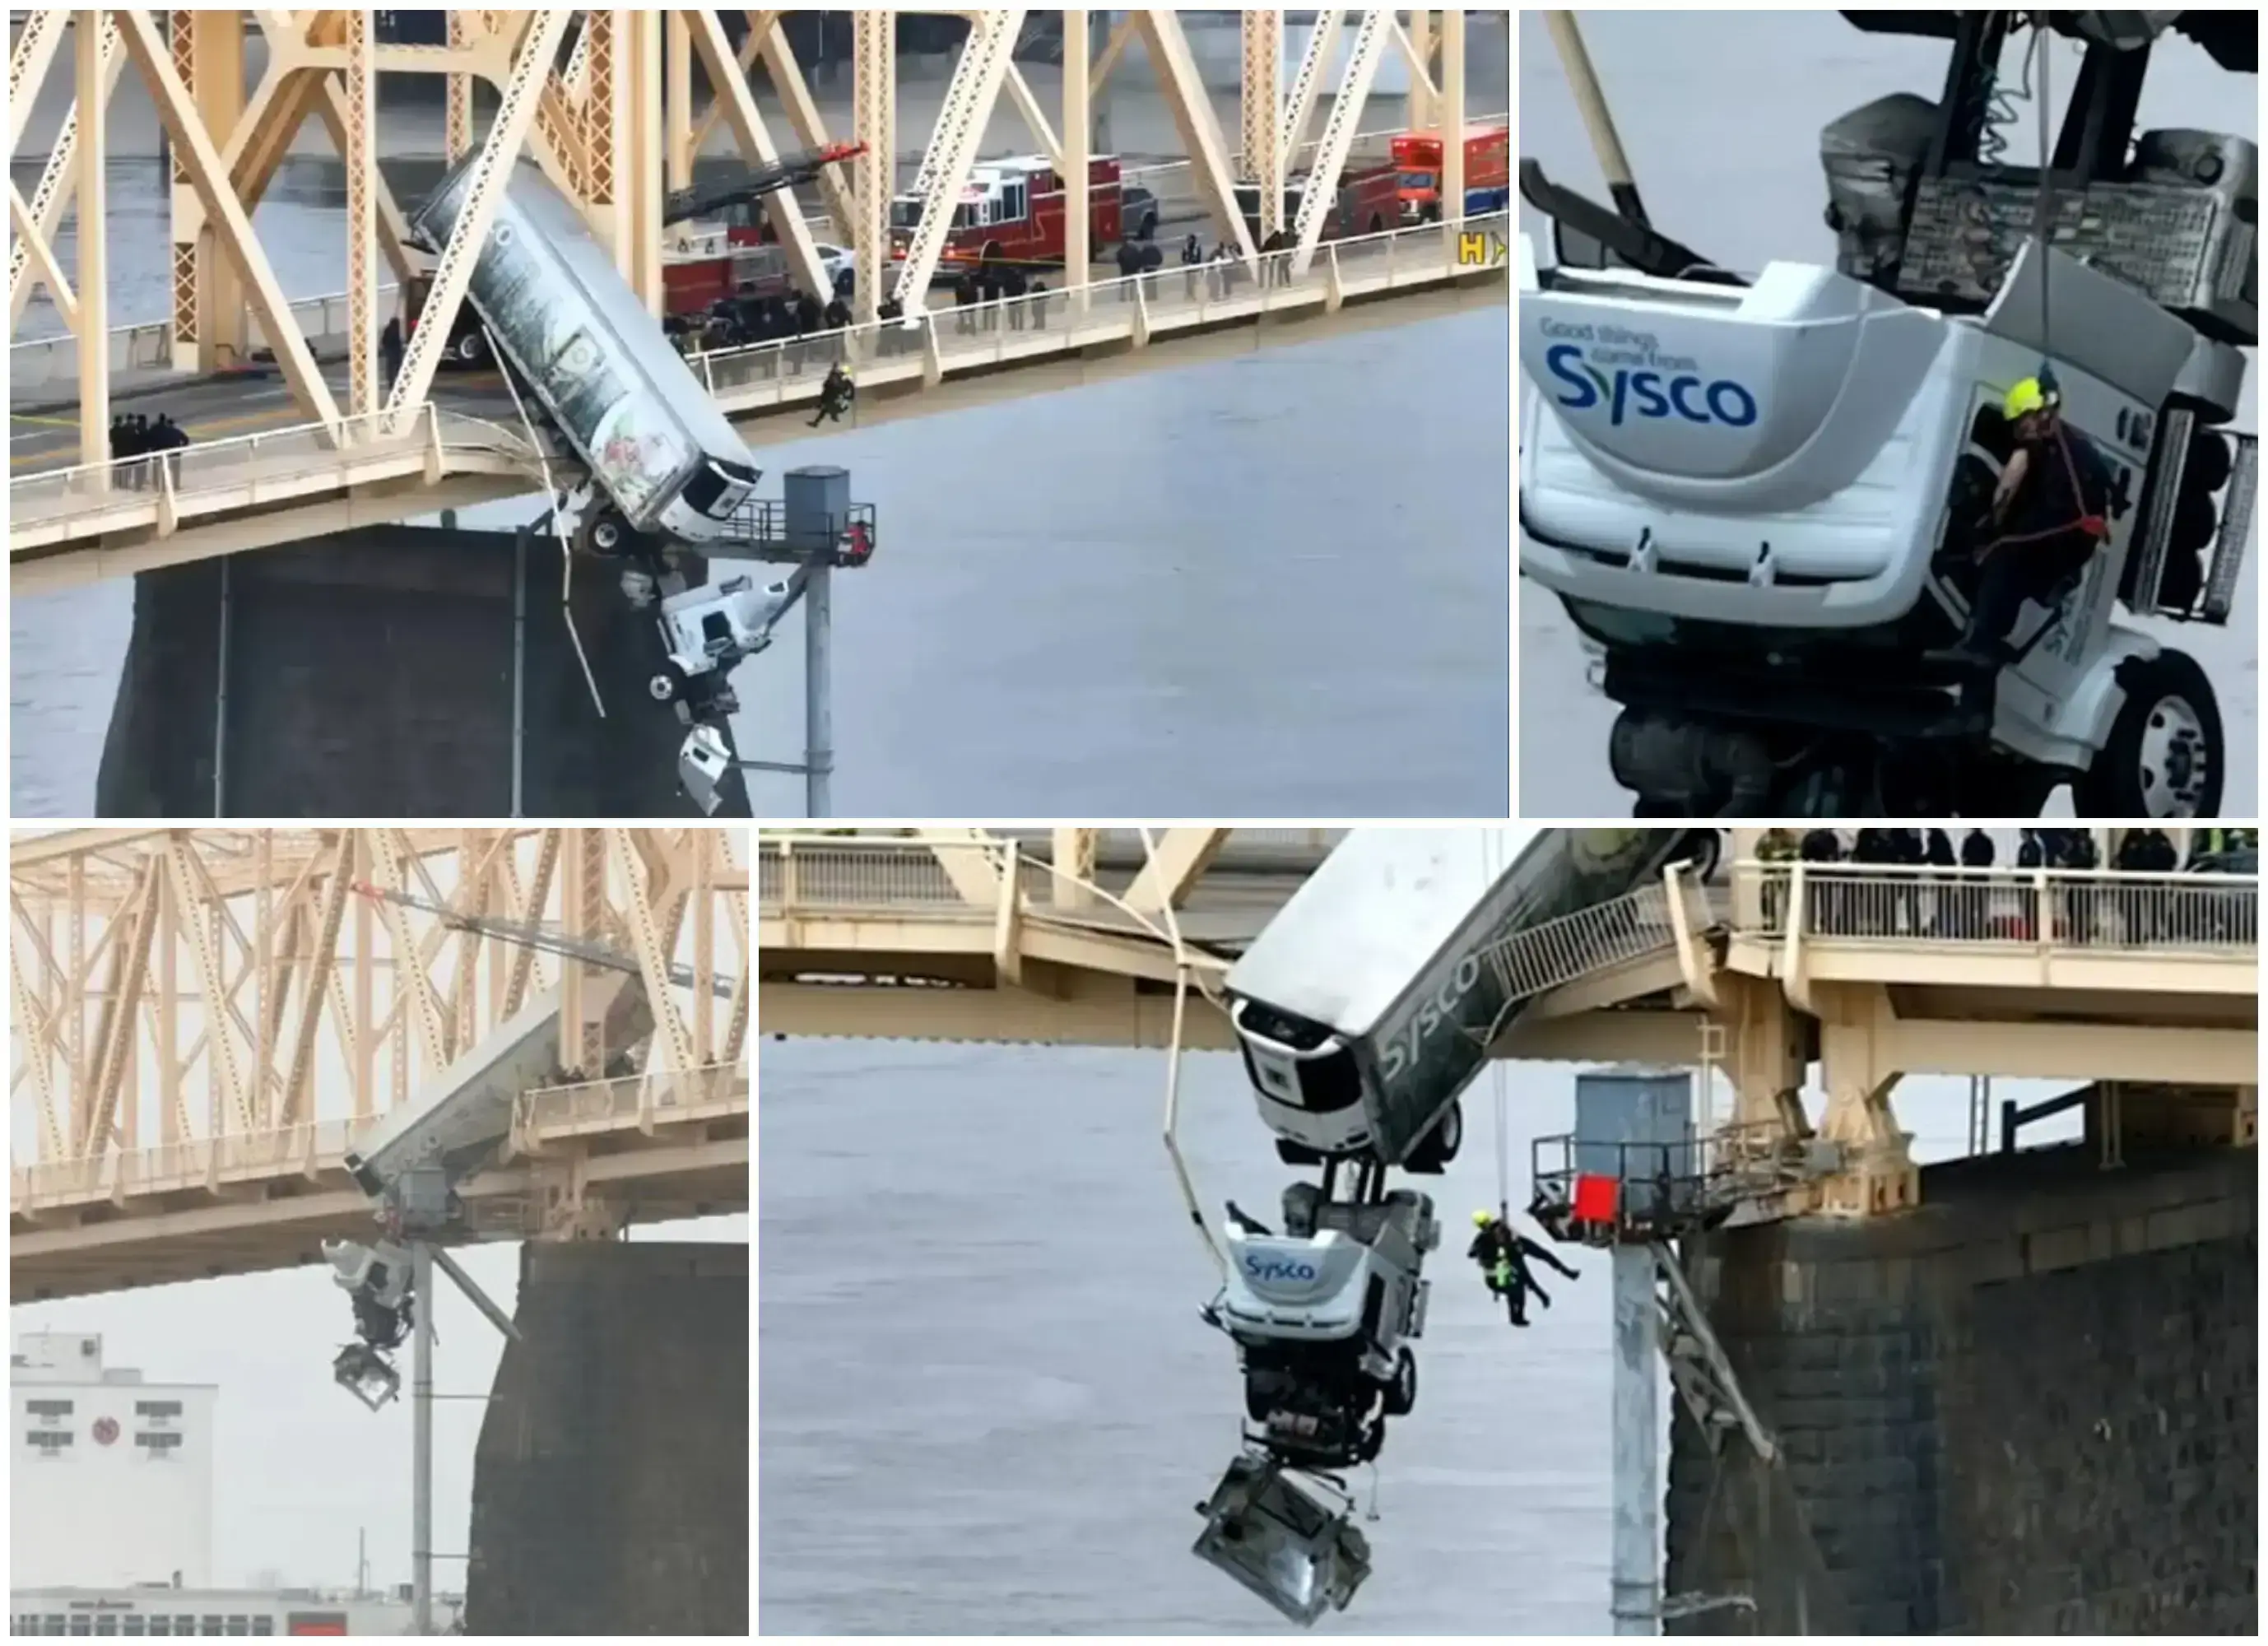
point(1596, 1198)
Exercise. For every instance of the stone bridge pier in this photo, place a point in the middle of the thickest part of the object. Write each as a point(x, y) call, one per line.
point(610, 1484)
point(395, 671)
point(2026, 1406)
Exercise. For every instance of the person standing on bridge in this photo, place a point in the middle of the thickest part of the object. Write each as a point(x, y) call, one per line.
point(390, 355)
point(1502, 1252)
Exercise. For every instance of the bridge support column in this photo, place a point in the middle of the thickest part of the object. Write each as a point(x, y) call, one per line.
point(1858, 1067)
point(610, 1483)
point(2026, 1408)
point(392, 672)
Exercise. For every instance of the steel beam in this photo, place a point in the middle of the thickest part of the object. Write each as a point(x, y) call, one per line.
point(34, 247)
point(1183, 89)
point(677, 102)
point(208, 294)
point(1077, 163)
point(59, 176)
point(1452, 110)
point(1345, 119)
point(874, 70)
point(1182, 857)
point(490, 174)
point(229, 219)
point(93, 298)
point(1314, 67)
point(962, 119)
point(28, 66)
point(1260, 104)
point(456, 129)
point(835, 183)
point(360, 153)
point(1417, 47)
point(747, 123)
point(638, 37)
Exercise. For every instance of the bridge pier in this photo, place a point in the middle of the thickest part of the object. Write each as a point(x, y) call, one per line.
point(2025, 1406)
point(395, 671)
point(610, 1484)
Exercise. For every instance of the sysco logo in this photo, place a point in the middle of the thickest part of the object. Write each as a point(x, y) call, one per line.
point(1627, 394)
point(1261, 1269)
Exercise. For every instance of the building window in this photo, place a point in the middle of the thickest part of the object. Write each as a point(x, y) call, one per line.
point(159, 1444)
point(156, 1409)
point(240, 1625)
point(130, 1624)
point(263, 1625)
point(50, 1441)
point(48, 1408)
point(105, 1623)
point(160, 1624)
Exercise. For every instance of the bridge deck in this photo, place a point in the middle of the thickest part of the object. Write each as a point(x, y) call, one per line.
point(75, 523)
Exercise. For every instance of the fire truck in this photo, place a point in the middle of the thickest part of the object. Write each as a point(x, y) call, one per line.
point(1369, 201)
point(1488, 173)
point(1012, 211)
point(731, 254)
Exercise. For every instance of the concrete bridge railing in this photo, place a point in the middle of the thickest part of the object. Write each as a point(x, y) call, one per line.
point(149, 346)
point(2093, 911)
point(187, 1163)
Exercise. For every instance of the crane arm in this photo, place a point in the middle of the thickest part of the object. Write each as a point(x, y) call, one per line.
point(540, 937)
point(785, 173)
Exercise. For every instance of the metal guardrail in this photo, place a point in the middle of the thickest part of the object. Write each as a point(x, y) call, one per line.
point(1011, 329)
point(2106, 910)
point(1540, 958)
point(149, 346)
point(289, 463)
point(802, 874)
point(779, 373)
point(630, 1102)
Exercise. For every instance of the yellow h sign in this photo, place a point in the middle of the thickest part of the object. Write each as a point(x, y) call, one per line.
point(1476, 250)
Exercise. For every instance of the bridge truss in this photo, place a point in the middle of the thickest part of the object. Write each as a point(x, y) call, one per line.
point(202, 1019)
point(603, 100)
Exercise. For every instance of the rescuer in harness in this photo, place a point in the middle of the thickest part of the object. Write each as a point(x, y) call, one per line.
point(1503, 1253)
point(835, 395)
point(2046, 521)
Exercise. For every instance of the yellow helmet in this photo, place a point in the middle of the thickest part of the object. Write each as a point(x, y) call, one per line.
point(2025, 396)
point(1484, 1218)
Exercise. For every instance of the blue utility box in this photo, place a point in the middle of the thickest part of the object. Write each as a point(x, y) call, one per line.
point(1635, 1124)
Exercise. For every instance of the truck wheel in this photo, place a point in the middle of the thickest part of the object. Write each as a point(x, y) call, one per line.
point(608, 533)
point(666, 686)
point(1402, 1393)
point(1439, 1146)
point(2165, 756)
point(473, 348)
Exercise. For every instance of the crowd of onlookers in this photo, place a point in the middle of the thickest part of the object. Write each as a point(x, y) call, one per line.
point(1968, 900)
point(136, 436)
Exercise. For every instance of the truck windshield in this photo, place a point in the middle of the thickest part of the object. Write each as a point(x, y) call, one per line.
point(716, 490)
point(1418, 180)
point(905, 213)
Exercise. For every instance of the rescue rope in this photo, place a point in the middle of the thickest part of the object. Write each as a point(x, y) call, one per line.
point(2043, 208)
point(1499, 1090)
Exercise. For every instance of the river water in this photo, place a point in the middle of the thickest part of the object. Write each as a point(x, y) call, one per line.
point(1264, 587)
point(986, 1403)
point(1739, 179)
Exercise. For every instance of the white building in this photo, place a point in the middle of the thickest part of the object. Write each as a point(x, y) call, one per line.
point(110, 1481)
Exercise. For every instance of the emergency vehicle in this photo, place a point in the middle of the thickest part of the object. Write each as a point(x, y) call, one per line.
point(1488, 173)
point(1369, 201)
point(1012, 211)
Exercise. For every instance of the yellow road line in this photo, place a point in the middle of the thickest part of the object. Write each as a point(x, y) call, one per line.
point(60, 423)
point(208, 427)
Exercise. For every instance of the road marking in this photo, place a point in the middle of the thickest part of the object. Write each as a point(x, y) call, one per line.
point(208, 427)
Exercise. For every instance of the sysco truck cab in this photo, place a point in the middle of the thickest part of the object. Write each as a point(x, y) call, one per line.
point(1761, 499)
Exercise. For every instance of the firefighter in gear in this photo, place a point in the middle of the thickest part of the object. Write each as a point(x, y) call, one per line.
point(835, 395)
point(2046, 521)
point(1503, 1253)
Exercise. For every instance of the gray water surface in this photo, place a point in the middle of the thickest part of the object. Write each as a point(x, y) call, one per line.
point(986, 1405)
point(1720, 112)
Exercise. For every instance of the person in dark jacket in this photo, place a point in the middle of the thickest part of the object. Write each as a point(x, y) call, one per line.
point(1945, 910)
point(1503, 1251)
point(1976, 852)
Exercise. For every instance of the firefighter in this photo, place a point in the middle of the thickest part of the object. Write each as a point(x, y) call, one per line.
point(1502, 1252)
point(835, 394)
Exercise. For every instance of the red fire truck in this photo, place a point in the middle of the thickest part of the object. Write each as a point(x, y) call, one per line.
point(1368, 202)
point(1012, 211)
point(1488, 173)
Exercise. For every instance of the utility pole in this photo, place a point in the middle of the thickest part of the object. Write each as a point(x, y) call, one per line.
point(420, 1487)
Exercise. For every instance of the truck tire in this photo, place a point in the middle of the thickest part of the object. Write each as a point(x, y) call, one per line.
point(2165, 756)
point(1402, 1393)
point(473, 348)
point(1439, 1146)
point(607, 533)
point(666, 685)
